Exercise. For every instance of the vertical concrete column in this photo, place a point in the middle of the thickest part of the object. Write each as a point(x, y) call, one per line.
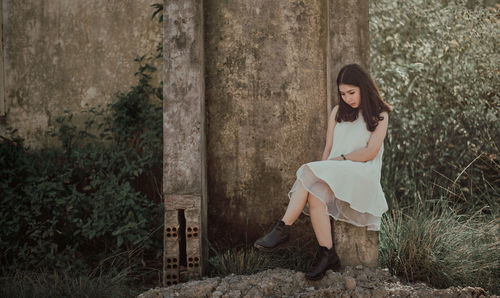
point(348, 42)
point(2, 82)
point(184, 162)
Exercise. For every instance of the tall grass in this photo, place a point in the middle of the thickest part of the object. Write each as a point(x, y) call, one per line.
point(429, 240)
point(21, 284)
point(248, 260)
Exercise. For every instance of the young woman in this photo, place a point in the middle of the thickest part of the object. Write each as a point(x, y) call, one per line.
point(345, 184)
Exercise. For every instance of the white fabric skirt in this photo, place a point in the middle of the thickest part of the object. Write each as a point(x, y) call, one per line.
point(348, 189)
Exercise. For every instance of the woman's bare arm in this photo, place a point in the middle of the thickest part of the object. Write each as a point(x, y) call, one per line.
point(329, 133)
point(374, 143)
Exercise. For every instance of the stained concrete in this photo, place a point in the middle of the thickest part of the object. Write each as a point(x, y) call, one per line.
point(266, 108)
point(2, 88)
point(355, 245)
point(60, 55)
point(184, 162)
point(183, 104)
point(349, 39)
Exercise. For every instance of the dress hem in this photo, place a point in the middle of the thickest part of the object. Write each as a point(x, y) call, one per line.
point(332, 188)
point(326, 207)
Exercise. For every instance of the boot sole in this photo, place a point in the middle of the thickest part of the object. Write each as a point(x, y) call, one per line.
point(270, 249)
point(334, 267)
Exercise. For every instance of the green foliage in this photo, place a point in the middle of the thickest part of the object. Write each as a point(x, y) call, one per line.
point(72, 207)
point(158, 12)
point(438, 66)
point(436, 63)
point(136, 121)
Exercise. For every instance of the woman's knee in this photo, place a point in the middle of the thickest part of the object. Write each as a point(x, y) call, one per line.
point(314, 202)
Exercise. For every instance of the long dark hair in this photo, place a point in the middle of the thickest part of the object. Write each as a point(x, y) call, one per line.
point(371, 104)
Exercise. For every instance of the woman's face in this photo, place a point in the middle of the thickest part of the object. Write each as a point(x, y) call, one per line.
point(350, 95)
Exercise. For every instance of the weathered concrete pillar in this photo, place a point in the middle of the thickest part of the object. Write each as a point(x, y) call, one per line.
point(2, 85)
point(348, 42)
point(184, 170)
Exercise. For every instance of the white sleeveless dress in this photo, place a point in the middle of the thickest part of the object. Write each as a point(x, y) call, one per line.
point(350, 190)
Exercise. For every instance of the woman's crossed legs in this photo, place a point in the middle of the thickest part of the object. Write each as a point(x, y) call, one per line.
point(319, 218)
point(327, 256)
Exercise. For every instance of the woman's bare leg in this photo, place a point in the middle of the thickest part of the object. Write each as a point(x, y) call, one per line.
point(319, 218)
point(296, 204)
point(320, 221)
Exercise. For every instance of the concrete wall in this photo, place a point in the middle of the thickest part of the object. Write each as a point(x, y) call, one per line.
point(62, 54)
point(266, 102)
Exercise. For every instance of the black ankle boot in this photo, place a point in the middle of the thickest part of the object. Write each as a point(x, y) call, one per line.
point(325, 259)
point(279, 236)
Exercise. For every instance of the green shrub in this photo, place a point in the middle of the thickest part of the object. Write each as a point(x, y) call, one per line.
point(438, 66)
point(437, 63)
point(72, 207)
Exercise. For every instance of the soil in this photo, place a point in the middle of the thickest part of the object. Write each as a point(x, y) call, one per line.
point(350, 282)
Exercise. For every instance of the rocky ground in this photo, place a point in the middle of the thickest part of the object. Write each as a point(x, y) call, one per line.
point(351, 282)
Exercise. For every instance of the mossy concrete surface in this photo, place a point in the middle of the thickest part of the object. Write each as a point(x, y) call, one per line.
point(265, 65)
point(60, 55)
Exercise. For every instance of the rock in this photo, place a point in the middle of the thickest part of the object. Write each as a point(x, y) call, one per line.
point(350, 283)
point(475, 292)
point(234, 294)
point(362, 277)
point(223, 286)
point(379, 293)
point(253, 292)
point(361, 293)
point(201, 289)
point(444, 293)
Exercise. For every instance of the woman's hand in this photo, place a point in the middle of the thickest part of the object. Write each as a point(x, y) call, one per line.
point(374, 143)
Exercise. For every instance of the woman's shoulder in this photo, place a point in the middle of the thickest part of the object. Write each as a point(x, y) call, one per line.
point(384, 115)
point(333, 113)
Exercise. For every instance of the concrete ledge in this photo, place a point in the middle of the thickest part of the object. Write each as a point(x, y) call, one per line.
point(355, 245)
